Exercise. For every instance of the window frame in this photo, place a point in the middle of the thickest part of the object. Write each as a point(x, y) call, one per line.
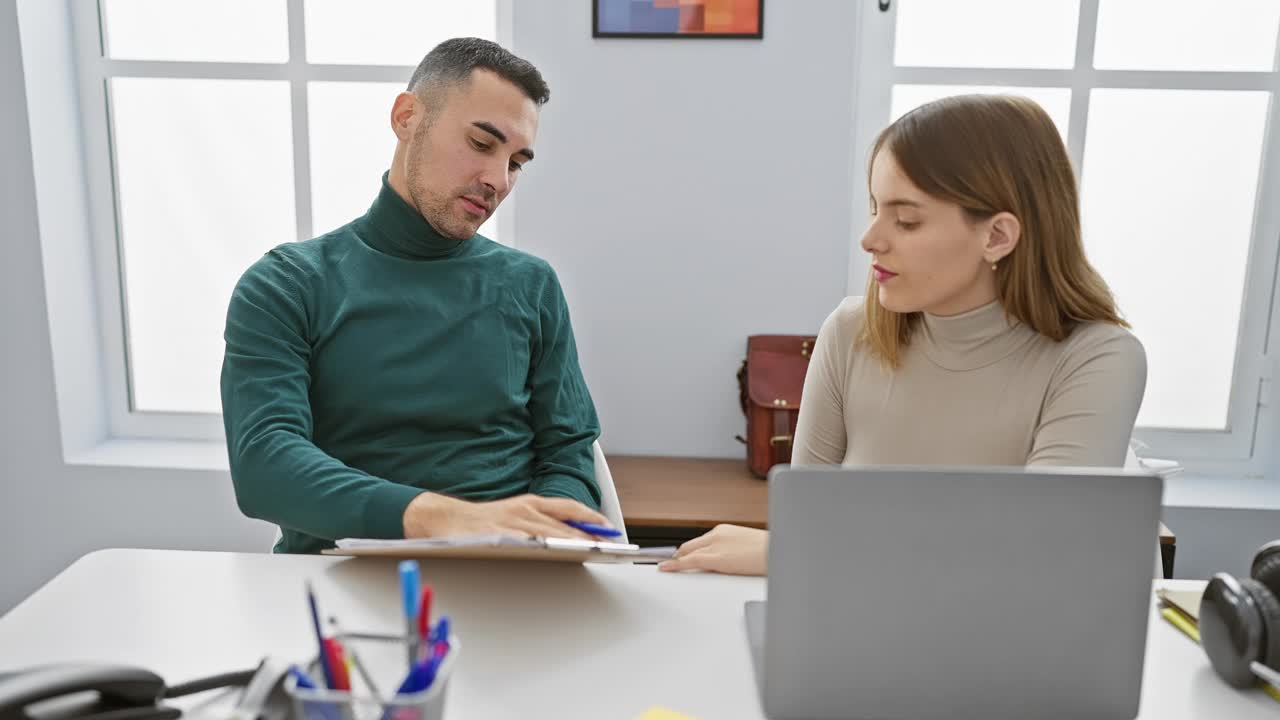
point(1241, 449)
point(93, 73)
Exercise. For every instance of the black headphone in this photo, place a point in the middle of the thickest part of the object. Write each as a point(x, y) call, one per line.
point(1240, 619)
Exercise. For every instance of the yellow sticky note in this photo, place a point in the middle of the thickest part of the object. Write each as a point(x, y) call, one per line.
point(661, 713)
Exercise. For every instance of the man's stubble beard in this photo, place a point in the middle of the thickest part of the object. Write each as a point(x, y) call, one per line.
point(435, 210)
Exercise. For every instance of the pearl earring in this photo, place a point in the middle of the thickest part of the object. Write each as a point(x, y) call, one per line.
point(993, 267)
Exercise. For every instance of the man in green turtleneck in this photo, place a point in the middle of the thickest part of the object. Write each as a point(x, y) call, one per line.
point(403, 376)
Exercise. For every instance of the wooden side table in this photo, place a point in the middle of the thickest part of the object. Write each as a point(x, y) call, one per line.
point(668, 500)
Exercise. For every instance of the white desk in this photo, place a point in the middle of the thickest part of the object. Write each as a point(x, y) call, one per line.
point(598, 642)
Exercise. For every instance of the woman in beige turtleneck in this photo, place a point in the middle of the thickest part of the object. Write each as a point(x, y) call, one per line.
point(985, 337)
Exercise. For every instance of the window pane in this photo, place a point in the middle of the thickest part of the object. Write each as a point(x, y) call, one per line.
point(1187, 35)
point(205, 173)
point(208, 30)
point(391, 32)
point(351, 147)
point(987, 33)
point(1055, 101)
point(1170, 179)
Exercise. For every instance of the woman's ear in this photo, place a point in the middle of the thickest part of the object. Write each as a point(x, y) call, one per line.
point(1005, 232)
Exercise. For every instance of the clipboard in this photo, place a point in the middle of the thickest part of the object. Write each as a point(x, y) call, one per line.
point(502, 547)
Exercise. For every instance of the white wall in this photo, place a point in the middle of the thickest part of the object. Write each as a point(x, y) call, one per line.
point(689, 193)
point(1214, 540)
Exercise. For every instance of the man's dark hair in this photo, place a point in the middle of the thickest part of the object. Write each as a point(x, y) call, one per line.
point(452, 61)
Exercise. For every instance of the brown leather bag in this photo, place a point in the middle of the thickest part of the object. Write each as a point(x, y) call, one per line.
point(769, 385)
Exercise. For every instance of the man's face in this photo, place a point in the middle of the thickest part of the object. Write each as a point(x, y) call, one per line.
point(463, 159)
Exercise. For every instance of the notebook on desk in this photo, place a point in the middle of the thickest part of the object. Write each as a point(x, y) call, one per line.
point(502, 547)
point(1184, 602)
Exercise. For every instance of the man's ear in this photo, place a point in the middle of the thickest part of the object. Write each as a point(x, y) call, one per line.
point(405, 111)
point(1005, 232)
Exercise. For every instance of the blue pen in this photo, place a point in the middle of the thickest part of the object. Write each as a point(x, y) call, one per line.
point(422, 675)
point(314, 708)
point(301, 679)
point(411, 592)
point(440, 633)
point(315, 620)
point(433, 667)
point(414, 682)
point(598, 530)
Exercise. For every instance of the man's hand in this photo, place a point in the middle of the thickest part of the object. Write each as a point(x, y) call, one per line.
point(432, 515)
point(726, 549)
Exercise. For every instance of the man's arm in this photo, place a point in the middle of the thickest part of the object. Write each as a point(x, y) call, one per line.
point(279, 474)
point(560, 407)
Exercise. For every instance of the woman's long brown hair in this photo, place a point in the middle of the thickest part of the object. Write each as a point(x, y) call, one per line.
point(991, 154)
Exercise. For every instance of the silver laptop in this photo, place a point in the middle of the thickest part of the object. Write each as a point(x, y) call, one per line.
point(933, 592)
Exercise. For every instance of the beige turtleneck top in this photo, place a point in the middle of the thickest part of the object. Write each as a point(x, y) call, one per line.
point(972, 389)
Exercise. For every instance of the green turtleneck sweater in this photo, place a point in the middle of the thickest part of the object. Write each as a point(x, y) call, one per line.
point(383, 359)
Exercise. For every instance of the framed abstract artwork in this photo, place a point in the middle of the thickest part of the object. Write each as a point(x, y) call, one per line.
point(677, 18)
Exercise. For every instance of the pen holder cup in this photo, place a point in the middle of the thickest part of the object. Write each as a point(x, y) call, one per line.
point(325, 704)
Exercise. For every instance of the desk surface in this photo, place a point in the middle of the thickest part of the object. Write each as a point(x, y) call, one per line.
point(599, 642)
point(699, 493)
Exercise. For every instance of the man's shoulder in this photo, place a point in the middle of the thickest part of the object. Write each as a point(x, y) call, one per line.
point(525, 274)
point(295, 264)
point(513, 259)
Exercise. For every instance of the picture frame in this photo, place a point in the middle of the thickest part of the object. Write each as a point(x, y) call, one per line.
point(678, 19)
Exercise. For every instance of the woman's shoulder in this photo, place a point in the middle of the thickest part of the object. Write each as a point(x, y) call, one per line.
point(1103, 334)
point(846, 320)
point(1103, 341)
point(839, 333)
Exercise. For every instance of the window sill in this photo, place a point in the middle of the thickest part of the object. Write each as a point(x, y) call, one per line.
point(1252, 492)
point(154, 454)
point(1182, 490)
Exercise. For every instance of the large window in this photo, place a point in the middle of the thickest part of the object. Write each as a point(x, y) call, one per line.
point(215, 130)
point(1168, 110)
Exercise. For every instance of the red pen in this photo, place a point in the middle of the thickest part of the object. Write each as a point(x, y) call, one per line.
point(424, 614)
point(338, 662)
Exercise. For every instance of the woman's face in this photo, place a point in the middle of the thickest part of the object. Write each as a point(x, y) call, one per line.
point(926, 254)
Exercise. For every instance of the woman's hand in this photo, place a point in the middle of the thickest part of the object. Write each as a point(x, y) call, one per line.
point(728, 549)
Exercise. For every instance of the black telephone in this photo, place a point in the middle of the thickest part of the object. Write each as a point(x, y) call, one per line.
point(85, 692)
